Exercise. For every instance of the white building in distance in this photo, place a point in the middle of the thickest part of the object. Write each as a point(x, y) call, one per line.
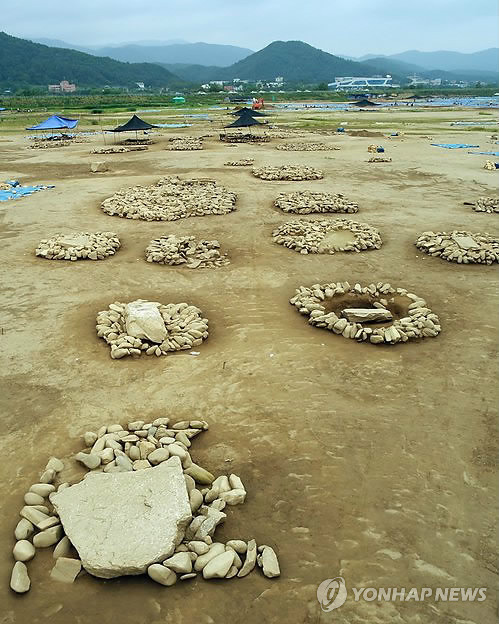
point(361, 82)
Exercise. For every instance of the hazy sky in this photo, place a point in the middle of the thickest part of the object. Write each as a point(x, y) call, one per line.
point(352, 27)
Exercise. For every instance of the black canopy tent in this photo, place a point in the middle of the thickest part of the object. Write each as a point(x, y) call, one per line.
point(244, 121)
point(134, 124)
point(365, 103)
point(248, 111)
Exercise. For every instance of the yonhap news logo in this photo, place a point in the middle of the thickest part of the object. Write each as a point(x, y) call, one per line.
point(332, 594)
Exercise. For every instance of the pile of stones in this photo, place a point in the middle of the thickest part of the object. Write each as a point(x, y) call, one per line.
point(186, 143)
point(142, 481)
point(283, 133)
point(373, 148)
point(287, 172)
point(460, 246)
point(174, 250)
point(305, 147)
point(321, 236)
point(79, 246)
point(353, 322)
point(486, 204)
point(244, 162)
point(150, 328)
point(48, 144)
point(141, 141)
point(306, 202)
point(490, 165)
point(170, 199)
point(119, 149)
point(379, 159)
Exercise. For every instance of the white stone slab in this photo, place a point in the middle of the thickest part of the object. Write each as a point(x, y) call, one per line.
point(120, 523)
point(465, 242)
point(143, 320)
point(367, 315)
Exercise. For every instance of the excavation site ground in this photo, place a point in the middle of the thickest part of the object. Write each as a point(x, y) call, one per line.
point(373, 462)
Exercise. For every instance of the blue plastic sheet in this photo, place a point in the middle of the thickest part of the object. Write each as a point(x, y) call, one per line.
point(17, 191)
point(486, 153)
point(453, 145)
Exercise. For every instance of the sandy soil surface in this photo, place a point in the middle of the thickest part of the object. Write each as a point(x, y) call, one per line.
point(376, 464)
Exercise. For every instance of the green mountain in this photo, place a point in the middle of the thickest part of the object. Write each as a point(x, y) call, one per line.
point(296, 62)
point(25, 63)
point(188, 53)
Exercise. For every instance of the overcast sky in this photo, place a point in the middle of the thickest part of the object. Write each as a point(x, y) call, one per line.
point(352, 27)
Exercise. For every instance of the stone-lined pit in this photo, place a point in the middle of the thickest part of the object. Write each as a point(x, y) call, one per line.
point(327, 237)
point(305, 147)
point(307, 202)
point(79, 246)
point(186, 144)
point(287, 172)
point(460, 246)
point(150, 328)
point(326, 306)
point(144, 507)
point(170, 199)
point(174, 250)
point(244, 162)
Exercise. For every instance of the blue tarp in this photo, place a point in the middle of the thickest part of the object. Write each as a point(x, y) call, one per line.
point(55, 123)
point(453, 145)
point(17, 191)
point(486, 153)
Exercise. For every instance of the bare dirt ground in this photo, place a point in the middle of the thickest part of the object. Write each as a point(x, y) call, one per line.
point(376, 464)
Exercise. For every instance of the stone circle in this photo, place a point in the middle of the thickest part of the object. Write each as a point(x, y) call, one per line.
point(460, 246)
point(174, 250)
point(349, 310)
point(79, 246)
point(305, 147)
point(150, 328)
point(327, 236)
point(306, 202)
point(170, 199)
point(486, 204)
point(186, 144)
point(144, 507)
point(244, 162)
point(287, 172)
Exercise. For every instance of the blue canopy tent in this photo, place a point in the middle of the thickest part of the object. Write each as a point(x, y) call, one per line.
point(54, 122)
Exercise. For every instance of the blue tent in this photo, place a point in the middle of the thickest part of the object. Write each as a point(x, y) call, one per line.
point(55, 123)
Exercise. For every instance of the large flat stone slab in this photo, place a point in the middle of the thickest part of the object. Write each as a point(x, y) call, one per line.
point(367, 315)
point(465, 242)
point(120, 523)
point(143, 320)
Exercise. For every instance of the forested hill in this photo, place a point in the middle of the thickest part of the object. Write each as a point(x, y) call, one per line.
point(25, 63)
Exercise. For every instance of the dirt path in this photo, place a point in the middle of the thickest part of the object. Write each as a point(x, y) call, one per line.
point(376, 464)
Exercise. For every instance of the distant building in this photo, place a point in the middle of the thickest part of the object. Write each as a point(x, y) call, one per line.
point(63, 87)
point(360, 82)
point(416, 81)
point(140, 85)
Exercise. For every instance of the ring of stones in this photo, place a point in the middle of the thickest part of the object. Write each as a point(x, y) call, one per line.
point(326, 236)
point(79, 246)
point(306, 202)
point(460, 246)
point(375, 304)
point(288, 172)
